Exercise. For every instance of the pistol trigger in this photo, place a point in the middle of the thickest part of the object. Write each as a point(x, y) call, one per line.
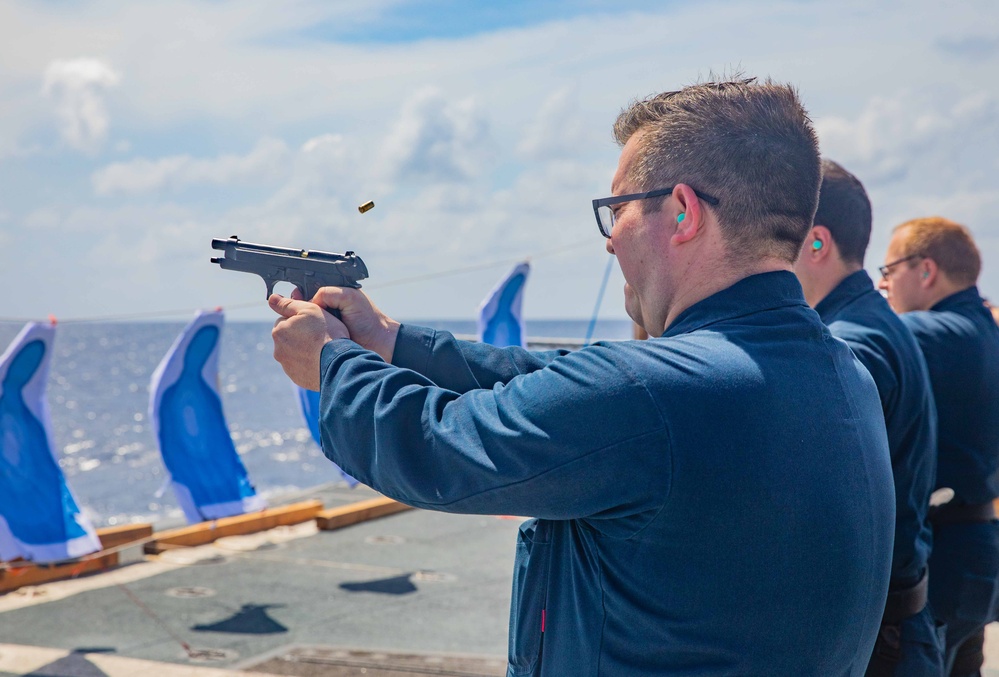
point(270, 287)
point(310, 288)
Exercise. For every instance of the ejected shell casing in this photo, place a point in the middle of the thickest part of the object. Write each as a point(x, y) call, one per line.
point(370, 204)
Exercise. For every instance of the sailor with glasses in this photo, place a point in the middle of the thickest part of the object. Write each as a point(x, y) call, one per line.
point(716, 500)
point(930, 278)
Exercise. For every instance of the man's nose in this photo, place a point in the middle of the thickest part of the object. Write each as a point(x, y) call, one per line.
point(883, 284)
point(610, 247)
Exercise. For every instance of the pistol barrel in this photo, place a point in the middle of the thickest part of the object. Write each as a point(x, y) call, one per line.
point(308, 270)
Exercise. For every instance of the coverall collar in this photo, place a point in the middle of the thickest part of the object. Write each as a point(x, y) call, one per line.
point(851, 287)
point(965, 297)
point(753, 294)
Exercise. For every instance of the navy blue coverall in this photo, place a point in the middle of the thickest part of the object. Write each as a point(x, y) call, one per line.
point(960, 341)
point(855, 312)
point(716, 501)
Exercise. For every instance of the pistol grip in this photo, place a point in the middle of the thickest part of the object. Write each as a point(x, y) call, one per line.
point(309, 294)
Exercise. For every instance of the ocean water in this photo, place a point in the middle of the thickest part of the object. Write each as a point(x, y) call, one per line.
point(99, 397)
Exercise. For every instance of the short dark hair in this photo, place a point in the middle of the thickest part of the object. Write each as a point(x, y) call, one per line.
point(749, 144)
point(949, 244)
point(845, 210)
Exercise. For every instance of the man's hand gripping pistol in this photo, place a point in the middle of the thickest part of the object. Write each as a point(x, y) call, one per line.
point(307, 270)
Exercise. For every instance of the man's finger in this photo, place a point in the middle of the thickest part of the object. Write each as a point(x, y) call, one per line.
point(329, 297)
point(284, 307)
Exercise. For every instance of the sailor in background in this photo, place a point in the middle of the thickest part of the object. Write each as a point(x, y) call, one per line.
point(689, 519)
point(930, 272)
point(831, 271)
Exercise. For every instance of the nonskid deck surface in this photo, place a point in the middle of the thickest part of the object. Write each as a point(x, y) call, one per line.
point(416, 593)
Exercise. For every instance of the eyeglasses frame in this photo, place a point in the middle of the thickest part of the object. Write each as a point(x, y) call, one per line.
point(618, 199)
point(885, 270)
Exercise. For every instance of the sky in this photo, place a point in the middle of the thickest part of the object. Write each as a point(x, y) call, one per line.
point(131, 134)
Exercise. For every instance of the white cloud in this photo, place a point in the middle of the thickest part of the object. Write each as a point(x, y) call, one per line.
point(315, 202)
point(436, 139)
point(558, 131)
point(92, 221)
point(268, 159)
point(973, 208)
point(78, 87)
point(324, 164)
point(322, 143)
point(893, 136)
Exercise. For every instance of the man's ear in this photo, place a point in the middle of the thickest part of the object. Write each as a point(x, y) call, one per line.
point(928, 271)
point(818, 244)
point(689, 214)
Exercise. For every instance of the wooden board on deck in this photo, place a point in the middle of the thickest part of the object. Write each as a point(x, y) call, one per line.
point(346, 515)
point(34, 574)
point(203, 533)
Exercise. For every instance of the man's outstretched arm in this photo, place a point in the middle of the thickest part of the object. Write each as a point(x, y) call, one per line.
point(551, 443)
point(457, 365)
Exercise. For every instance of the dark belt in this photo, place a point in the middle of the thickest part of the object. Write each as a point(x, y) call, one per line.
point(905, 603)
point(900, 605)
point(962, 513)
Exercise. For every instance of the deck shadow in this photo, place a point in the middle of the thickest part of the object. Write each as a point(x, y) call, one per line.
point(75, 664)
point(396, 585)
point(251, 619)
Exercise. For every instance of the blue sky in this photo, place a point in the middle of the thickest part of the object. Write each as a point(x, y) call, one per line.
point(411, 21)
point(133, 133)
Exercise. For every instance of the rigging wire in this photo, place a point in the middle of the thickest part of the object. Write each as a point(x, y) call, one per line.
point(600, 298)
point(482, 266)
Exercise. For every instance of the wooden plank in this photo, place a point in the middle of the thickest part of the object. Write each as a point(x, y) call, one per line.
point(207, 532)
point(36, 574)
point(201, 534)
point(345, 515)
point(112, 537)
point(33, 574)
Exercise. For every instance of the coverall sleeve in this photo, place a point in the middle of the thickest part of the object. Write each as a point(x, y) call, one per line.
point(579, 438)
point(463, 365)
point(864, 344)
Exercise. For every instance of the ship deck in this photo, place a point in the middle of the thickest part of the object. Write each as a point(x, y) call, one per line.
point(414, 593)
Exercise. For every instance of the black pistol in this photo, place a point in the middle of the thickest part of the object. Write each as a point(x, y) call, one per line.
point(307, 270)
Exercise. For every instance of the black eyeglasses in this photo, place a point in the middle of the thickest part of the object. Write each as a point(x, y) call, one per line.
point(886, 268)
point(605, 215)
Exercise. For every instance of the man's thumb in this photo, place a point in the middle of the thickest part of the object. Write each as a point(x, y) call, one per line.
point(282, 306)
